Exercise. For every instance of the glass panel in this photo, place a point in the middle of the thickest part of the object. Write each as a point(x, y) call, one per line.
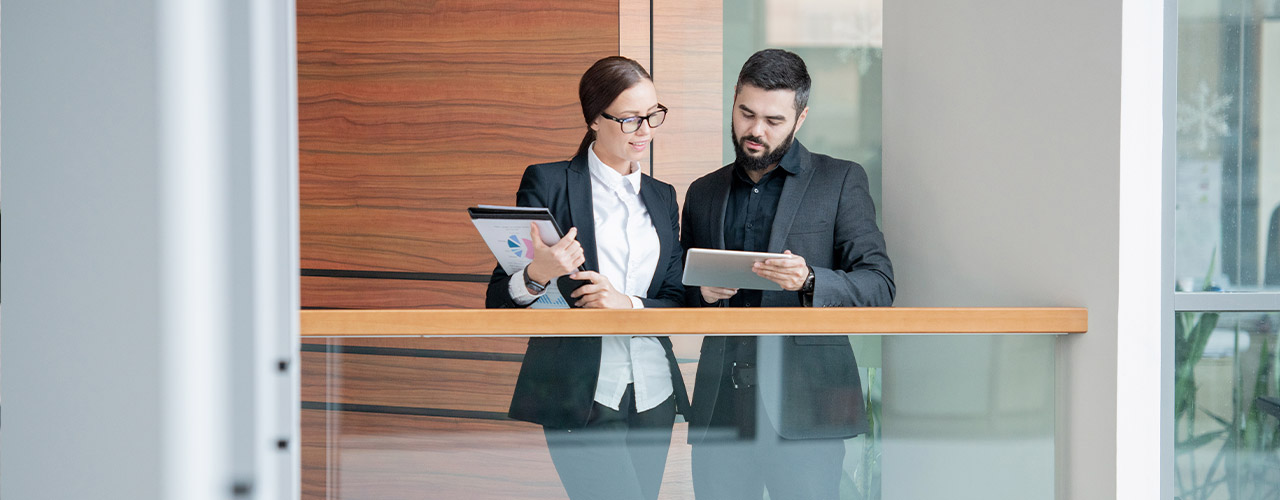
point(1227, 212)
point(973, 414)
point(400, 418)
point(1227, 434)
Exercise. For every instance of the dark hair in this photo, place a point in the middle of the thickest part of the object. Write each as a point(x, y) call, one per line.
point(774, 69)
point(601, 84)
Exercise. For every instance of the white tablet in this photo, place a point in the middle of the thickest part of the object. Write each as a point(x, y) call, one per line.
point(727, 269)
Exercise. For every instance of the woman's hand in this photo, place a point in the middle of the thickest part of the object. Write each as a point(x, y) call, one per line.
point(599, 293)
point(551, 262)
point(710, 294)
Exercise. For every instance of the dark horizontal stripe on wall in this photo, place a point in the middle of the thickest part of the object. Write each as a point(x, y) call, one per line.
point(396, 275)
point(413, 353)
point(405, 410)
point(429, 353)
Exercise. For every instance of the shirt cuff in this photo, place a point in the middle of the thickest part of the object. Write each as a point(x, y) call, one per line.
point(519, 294)
point(636, 303)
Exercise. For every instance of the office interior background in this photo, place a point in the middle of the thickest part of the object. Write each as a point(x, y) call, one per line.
point(186, 175)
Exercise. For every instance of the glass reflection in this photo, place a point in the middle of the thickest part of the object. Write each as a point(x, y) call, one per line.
point(1227, 211)
point(412, 418)
point(1227, 440)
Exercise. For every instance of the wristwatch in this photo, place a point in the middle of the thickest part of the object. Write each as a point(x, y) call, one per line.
point(807, 287)
point(534, 287)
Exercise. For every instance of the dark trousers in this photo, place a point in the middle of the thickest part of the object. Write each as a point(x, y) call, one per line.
point(619, 455)
point(743, 454)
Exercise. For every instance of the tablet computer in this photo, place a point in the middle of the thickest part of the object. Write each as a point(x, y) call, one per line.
point(727, 269)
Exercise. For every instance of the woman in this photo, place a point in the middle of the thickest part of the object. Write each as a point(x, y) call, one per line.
point(607, 405)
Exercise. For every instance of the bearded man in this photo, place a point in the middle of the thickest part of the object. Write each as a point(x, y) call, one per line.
point(773, 411)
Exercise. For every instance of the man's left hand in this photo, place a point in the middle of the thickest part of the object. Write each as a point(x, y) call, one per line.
point(790, 273)
point(599, 293)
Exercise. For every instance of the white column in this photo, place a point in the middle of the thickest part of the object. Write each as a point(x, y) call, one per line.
point(150, 274)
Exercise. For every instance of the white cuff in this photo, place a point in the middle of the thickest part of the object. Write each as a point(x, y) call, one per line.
point(636, 303)
point(519, 294)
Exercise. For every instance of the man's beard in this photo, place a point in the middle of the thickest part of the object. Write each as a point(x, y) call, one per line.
point(770, 156)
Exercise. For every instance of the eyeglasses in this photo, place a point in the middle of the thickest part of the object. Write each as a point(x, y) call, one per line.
point(632, 124)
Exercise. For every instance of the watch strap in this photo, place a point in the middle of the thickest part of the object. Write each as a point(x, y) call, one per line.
point(807, 287)
point(533, 286)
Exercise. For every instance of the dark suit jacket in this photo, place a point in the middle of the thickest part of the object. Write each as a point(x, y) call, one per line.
point(557, 382)
point(809, 384)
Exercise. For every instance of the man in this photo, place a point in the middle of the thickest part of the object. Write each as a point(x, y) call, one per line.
point(774, 411)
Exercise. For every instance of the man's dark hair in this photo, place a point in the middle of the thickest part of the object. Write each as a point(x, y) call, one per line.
point(773, 69)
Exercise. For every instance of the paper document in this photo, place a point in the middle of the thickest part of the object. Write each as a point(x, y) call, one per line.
point(506, 231)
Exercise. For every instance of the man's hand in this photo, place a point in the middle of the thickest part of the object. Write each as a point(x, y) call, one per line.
point(599, 293)
point(550, 262)
point(790, 273)
point(710, 294)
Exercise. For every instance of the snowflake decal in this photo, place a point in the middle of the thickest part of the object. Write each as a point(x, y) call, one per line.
point(863, 30)
point(1205, 116)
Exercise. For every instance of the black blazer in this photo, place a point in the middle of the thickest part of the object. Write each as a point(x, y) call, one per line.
point(557, 382)
point(809, 384)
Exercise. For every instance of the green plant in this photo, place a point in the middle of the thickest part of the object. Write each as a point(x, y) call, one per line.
point(1191, 335)
point(1246, 462)
point(1191, 331)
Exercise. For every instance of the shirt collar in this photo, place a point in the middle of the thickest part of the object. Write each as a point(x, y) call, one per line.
point(791, 161)
point(608, 175)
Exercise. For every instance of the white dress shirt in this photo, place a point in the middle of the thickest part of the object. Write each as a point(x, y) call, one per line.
point(627, 247)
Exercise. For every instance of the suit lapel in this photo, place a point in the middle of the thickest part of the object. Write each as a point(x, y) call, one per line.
point(720, 204)
point(580, 212)
point(662, 225)
point(793, 190)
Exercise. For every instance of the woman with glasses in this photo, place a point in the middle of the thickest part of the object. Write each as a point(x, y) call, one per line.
point(607, 404)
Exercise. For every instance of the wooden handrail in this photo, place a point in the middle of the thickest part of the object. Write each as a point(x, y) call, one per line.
point(718, 321)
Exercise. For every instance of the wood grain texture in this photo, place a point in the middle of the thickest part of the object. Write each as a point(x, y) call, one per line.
point(351, 456)
point(379, 379)
point(687, 69)
point(633, 30)
point(360, 293)
point(446, 384)
point(736, 321)
point(502, 345)
point(393, 457)
point(411, 111)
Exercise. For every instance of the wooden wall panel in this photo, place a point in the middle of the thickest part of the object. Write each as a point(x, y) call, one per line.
point(634, 28)
point(500, 345)
point(411, 111)
point(417, 382)
point(393, 457)
point(359, 293)
point(687, 62)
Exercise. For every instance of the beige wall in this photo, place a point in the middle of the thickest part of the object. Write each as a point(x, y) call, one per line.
point(1001, 188)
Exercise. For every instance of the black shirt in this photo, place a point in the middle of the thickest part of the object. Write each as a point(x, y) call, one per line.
point(748, 223)
point(749, 214)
